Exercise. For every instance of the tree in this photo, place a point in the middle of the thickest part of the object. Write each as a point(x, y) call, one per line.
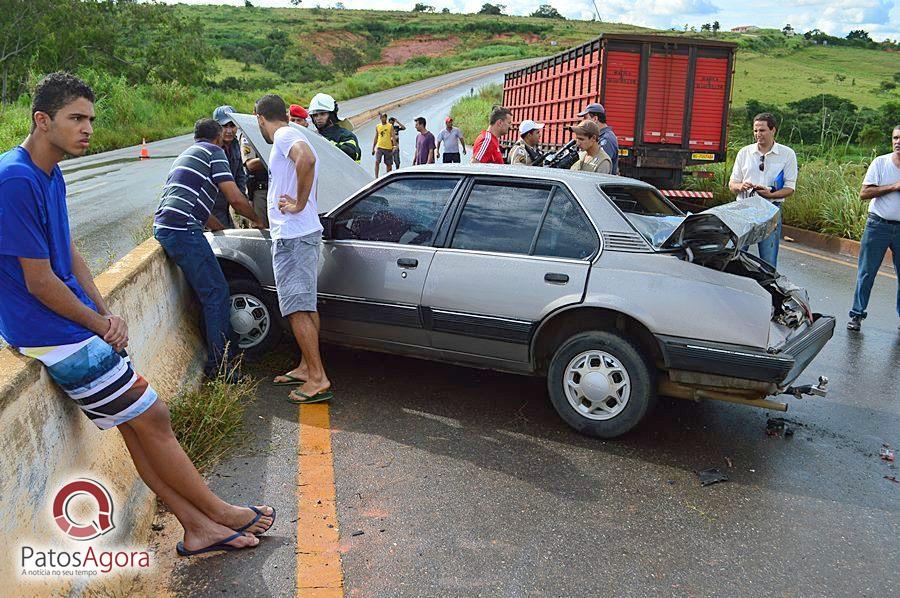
point(492, 9)
point(339, 6)
point(545, 11)
point(296, 2)
point(419, 7)
point(716, 27)
point(859, 35)
point(445, 10)
point(248, 4)
point(788, 30)
point(705, 27)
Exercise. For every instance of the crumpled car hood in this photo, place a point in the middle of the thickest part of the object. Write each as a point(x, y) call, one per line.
point(715, 236)
point(339, 176)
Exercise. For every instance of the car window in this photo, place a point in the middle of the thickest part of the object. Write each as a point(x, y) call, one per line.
point(633, 199)
point(501, 217)
point(646, 210)
point(566, 231)
point(405, 211)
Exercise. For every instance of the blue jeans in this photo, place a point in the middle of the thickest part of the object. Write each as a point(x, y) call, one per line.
point(879, 235)
point(190, 250)
point(768, 247)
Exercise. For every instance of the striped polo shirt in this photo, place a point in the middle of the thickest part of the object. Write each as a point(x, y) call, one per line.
point(189, 193)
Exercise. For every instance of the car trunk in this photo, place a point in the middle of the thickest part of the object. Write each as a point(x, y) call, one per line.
point(714, 239)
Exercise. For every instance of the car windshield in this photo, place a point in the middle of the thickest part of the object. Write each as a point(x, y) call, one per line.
point(647, 210)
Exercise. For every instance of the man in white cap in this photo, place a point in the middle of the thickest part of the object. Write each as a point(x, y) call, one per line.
point(525, 151)
point(608, 141)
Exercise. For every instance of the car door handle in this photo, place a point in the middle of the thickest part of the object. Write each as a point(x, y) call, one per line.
point(407, 262)
point(556, 277)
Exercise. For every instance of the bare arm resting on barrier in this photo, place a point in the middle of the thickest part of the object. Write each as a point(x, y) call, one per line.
point(47, 288)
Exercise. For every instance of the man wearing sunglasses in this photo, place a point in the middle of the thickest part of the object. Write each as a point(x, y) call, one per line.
point(232, 147)
point(767, 169)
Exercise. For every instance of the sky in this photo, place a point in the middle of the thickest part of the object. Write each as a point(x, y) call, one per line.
point(881, 18)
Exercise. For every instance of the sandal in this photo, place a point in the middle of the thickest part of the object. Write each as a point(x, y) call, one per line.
point(301, 398)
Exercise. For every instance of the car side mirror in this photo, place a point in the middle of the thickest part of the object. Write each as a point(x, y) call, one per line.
point(327, 227)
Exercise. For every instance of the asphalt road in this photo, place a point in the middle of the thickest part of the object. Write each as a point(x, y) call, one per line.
point(466, 483)
point(111, 194)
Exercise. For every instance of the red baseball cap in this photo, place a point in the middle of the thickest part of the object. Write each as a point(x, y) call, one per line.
point(298, 111)
point(449, 119)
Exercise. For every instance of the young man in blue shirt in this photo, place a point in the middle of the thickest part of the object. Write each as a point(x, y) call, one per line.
point(51, 310)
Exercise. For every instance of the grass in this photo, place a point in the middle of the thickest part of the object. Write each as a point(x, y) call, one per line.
point(471, 113)
point(209, 422)
point(786, 76)
point(143, 231)
point(827, 197)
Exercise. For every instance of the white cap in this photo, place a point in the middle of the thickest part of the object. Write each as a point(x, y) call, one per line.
point(528, 126)
point(321, 102)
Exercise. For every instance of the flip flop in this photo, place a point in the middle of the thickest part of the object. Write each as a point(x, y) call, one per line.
point(300, 398)
point(218, 546)
point(255, 519)
point(292, 380)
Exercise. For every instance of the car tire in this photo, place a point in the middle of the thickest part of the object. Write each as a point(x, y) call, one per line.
point(601, 384)
point(255, 316)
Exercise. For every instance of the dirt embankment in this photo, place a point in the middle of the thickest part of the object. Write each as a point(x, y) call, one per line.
point(321, 44)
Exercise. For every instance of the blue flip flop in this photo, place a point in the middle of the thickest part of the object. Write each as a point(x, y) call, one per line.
point(218, 546)
point(255, 519)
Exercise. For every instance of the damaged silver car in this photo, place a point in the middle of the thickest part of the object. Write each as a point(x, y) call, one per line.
point(597, 283)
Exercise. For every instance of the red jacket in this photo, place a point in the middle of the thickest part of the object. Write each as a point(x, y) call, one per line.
point(486, 149)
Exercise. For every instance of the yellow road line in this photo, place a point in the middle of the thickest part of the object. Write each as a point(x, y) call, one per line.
point(831, 259)
point(319, 570)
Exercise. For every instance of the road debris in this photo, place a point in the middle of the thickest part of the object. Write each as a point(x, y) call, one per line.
point(777, 426)
point(711, 476)
point(730, 464)
point(358, 532)
point(892, 478)
point(887, 453)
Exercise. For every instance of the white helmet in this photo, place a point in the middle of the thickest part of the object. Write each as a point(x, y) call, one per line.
point(321, 102)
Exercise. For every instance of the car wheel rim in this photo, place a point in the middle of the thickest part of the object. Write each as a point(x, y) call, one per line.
point(597, 385)
point(250, 320)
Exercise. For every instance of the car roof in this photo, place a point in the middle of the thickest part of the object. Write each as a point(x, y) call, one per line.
point(572, 177)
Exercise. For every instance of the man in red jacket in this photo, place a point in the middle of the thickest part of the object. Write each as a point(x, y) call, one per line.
point(486, 149)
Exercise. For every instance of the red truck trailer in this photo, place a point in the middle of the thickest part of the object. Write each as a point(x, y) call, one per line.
point(666, 99)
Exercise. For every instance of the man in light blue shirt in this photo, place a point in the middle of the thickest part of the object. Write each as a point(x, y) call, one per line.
point(453, 141)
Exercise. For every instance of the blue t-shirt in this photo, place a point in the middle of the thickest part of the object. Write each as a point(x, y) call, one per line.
point(34, 223)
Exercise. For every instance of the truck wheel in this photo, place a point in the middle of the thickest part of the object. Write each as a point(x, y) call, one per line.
point(254, 317)
point(600, 384)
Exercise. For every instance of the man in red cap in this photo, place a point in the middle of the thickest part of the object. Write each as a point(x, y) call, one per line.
point(299, 115)
point(453, 141)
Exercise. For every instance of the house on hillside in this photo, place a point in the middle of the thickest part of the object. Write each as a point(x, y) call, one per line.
point(745, 29)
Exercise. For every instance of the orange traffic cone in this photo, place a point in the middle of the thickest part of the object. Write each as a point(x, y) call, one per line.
point(145, 155)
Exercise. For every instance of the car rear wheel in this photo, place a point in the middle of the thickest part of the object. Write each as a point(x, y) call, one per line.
point(254, 317)
point(600, 384)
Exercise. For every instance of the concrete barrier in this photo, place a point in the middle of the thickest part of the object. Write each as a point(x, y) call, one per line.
point(48, 442)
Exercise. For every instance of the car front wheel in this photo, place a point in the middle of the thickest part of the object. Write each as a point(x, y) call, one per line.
point(600, 384)
point(254, 317)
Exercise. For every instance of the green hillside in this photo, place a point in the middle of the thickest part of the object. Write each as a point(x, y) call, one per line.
point(181, 61)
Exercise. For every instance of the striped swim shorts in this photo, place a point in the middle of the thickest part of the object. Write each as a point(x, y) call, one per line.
point(100, 381)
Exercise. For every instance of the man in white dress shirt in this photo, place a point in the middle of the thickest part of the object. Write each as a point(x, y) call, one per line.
point(767, 169)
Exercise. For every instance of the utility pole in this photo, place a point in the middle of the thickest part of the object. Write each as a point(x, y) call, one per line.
point(594, 2)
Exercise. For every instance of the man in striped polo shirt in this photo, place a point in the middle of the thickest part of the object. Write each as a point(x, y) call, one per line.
point(486, 149)
point(197, 175)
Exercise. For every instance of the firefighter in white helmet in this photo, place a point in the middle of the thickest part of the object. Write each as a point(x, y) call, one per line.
point(324, 113)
